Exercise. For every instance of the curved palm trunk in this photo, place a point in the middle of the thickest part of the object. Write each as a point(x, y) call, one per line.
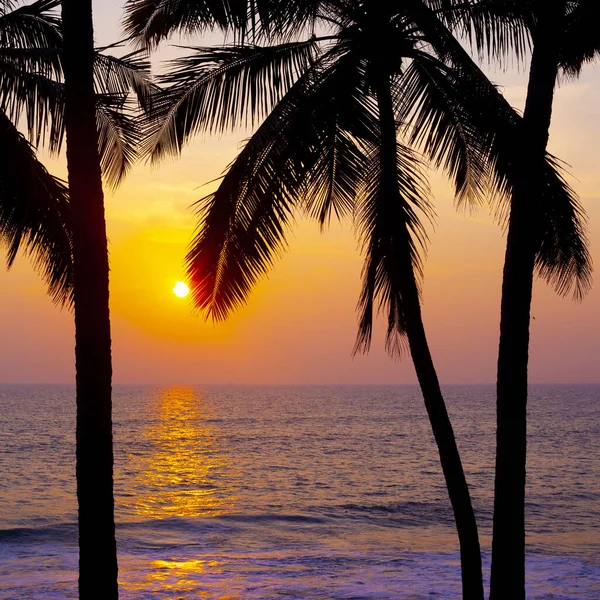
point(97, 547)
point(458, 490)
point(508, 545)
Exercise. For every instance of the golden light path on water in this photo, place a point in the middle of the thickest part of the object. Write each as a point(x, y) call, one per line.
point(182, 474)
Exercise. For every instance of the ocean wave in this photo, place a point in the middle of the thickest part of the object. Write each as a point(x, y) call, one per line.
point(60, 533)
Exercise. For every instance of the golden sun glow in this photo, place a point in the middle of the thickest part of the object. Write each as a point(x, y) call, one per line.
point(181, 290)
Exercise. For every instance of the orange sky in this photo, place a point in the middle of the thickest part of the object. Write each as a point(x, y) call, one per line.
point(299, 326)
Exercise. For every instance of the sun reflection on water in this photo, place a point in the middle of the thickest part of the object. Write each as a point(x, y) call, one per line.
point(182, 472)
point(173, 578)
point(178, 470)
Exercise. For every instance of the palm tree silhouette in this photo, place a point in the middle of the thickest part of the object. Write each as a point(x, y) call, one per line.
point(329, 146)
point(37, 216)
point(335, 106)
point(97, 545)
point(547, 230)
point(564, 38)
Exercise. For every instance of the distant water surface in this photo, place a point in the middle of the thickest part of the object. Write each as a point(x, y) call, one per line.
point(292, 492)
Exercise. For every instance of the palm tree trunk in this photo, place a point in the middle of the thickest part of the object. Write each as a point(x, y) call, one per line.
point(508, 545)
point(458, 490)
point(97, 546)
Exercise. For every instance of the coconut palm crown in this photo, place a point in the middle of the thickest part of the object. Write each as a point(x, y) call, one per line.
point(34, 211)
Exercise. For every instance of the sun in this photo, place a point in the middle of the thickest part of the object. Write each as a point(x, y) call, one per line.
point(181, 290)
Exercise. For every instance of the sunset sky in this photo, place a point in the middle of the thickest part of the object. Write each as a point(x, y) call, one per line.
point(299, 325)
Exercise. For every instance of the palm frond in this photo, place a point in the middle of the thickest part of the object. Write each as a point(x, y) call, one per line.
point(42, 61)
point(284, 167)
point(499, 126)
point(343, 122)
point(34, 25)
point(243, 224)
point(30, 41)
point(35, 97)
point(120, 76)
point(394, 242)
point(283, 19)
point(118, 137)
point(563, 258)
point(151, 21)
point(337, 171)
point(34, 214)
point(119, 127)
point(218, 89)
point(7, 6)
point(439, 127)
point(581, 42)
point(497, 29)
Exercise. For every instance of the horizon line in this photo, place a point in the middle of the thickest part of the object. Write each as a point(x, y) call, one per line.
point(292, 384)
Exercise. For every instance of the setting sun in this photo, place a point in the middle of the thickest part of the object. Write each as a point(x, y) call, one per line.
point(181, 290)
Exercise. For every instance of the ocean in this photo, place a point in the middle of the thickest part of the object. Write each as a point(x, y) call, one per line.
point(310, 492)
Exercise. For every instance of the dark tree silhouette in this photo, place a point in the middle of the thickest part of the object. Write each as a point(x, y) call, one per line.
point(97, 546)
point(101, 139)
point(508, 544)
point(328, 146)
point(564, 37)
point(37, 217)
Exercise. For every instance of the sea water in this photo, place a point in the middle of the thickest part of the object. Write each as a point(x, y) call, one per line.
point(293, 492)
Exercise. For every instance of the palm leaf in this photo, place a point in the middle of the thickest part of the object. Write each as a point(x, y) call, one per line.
point(563, 258)
point(497, 29)
point(285, 167)
point(118, 137)
point(499, 127)
point(35, 97)
point(440, 128)
point(30, 68)
point(243, 224)
point(34, 25)
point(581, 42)
point(151, 21)
point(34, 213)
point(218, 89)
point(124, 75)
point(119, 128)
point(394, 241)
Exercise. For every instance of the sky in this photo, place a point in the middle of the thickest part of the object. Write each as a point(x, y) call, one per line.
point(300, 323)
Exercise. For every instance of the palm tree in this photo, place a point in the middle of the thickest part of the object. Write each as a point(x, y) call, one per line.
point(330, 144)
point(37, 216)
point(101, 140)
point(97, 545)
point(508, 545)
point(326, 148)
point(563, 36)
